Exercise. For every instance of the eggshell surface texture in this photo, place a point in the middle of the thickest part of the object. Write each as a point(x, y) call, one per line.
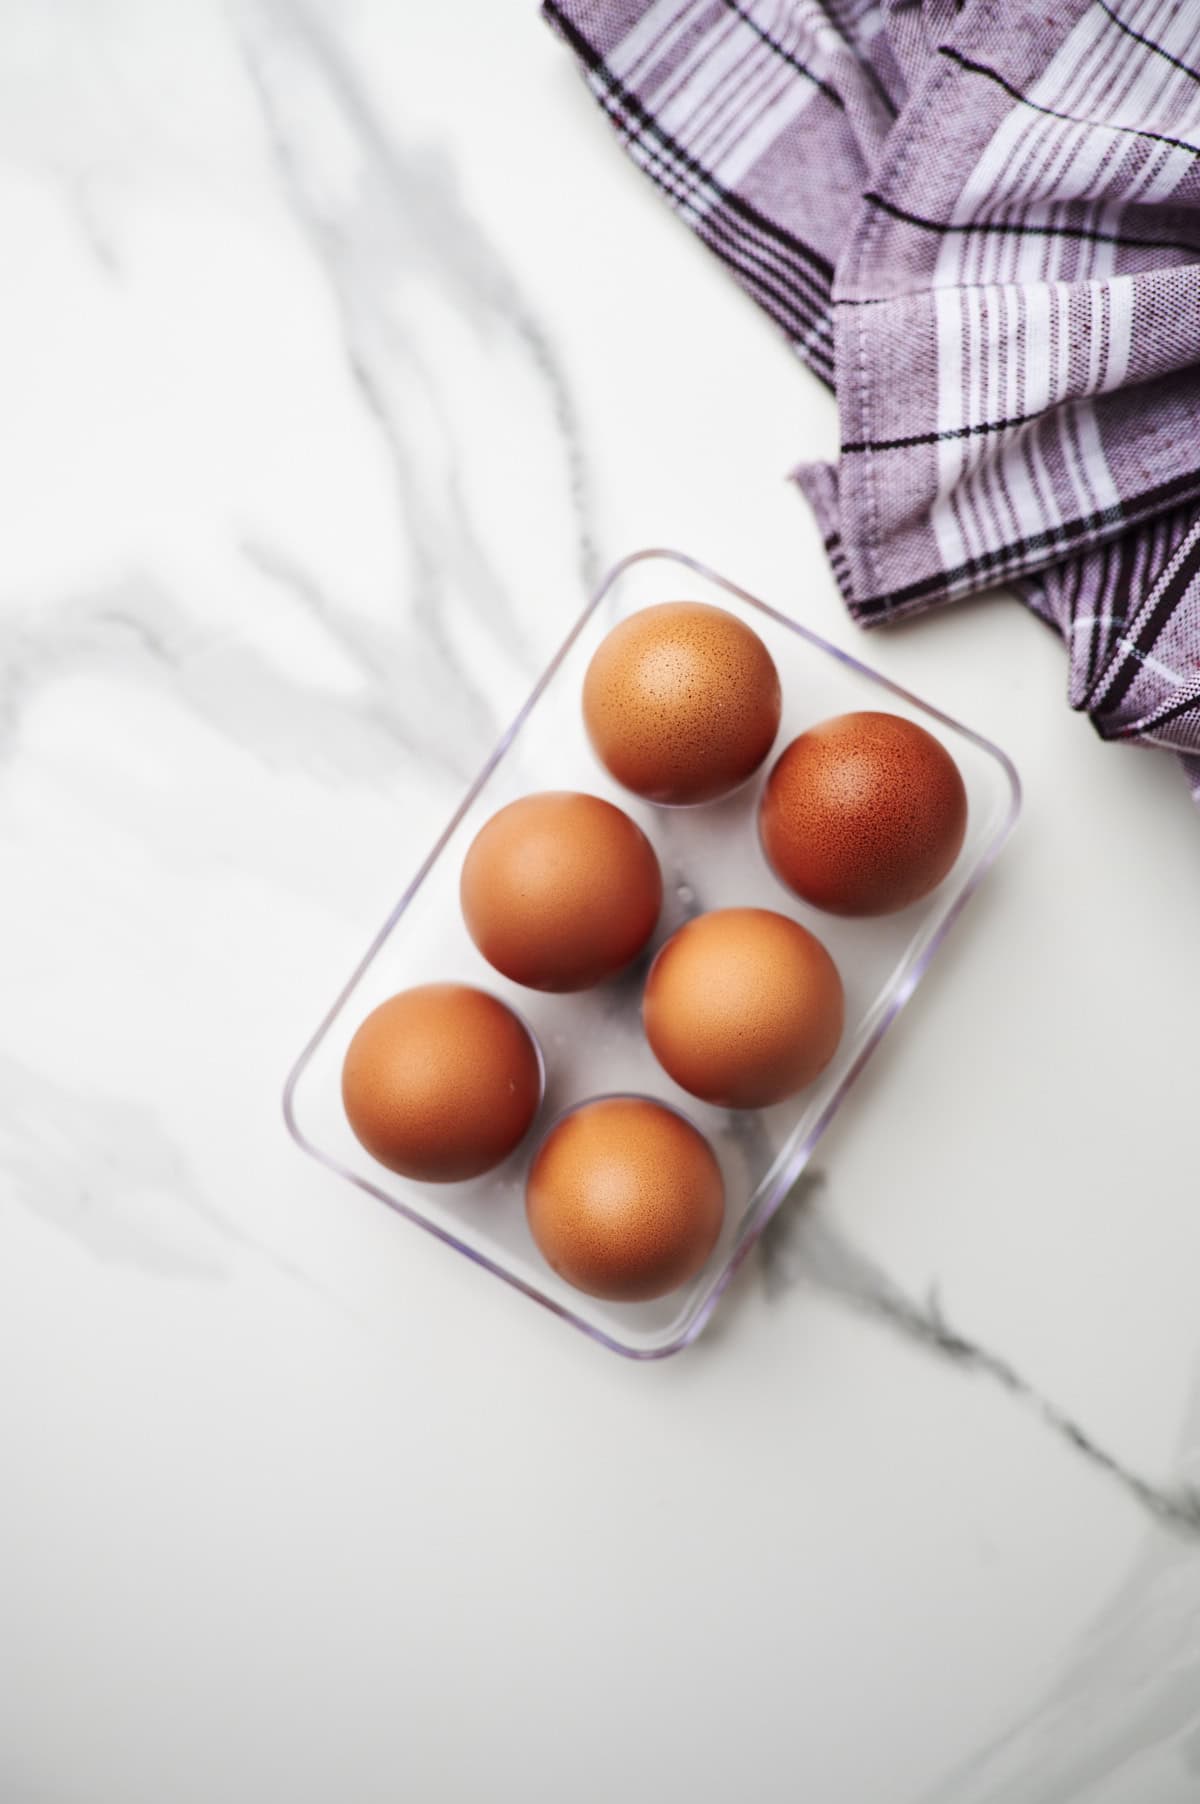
point(743, 1007)
point(863, 814)
point(560, 890)
point(682, 702)
point(625, 1199)
point(441, 1082)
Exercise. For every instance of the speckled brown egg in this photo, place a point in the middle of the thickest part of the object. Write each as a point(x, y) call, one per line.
point(441, 1082)
point(625, 1199)
point(743, 1007)
point(863, 814)
point(560, 890)
point(681, 702)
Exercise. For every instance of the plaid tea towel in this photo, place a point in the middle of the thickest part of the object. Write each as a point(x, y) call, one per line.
point(979, 221)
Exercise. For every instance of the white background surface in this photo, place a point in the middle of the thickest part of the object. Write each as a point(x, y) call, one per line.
point(339, 349)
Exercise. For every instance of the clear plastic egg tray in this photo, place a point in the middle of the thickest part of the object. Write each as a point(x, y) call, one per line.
point(592, 1042)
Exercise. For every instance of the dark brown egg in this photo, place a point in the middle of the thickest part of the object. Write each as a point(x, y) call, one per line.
point(560, 890)
point(625, 1199)
point(743, 1007)
point(441, 1082)
point(681, 702)
point(863, 814)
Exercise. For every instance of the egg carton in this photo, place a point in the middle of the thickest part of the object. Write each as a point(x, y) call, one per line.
point(592, 1041)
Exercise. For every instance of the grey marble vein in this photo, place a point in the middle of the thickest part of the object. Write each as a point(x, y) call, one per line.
point(384, 231)
point(137, 629)
point(407, 694)
point(801, 1243)
point(1121, 1725)
point(84, 207)
point(108, 1173)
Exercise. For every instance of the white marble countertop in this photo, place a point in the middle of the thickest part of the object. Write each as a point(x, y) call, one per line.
point(341, 348)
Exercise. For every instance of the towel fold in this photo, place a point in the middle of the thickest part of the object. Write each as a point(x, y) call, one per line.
point(980, 223)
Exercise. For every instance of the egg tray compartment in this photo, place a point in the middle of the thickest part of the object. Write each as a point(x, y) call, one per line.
point(592, 1041)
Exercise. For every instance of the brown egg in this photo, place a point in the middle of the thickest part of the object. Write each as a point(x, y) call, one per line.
point(625, 1199)
point(743, 1007)
point(560, 890)
point(441, 1082)
point(863, 814)
point(681, 702)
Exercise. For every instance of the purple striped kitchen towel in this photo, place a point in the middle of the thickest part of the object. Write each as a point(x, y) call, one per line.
point(979, 220)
